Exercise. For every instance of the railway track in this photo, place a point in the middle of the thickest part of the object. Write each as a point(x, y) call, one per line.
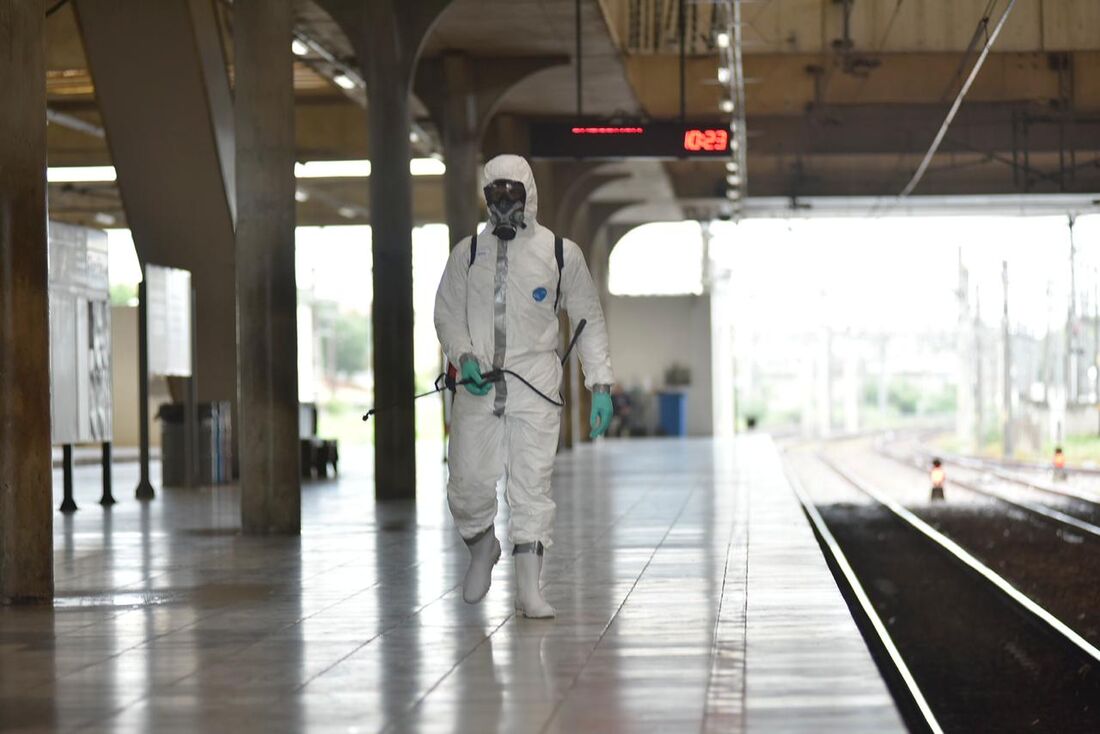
point(963, 647)
point(1074, 510)
point(997, 469)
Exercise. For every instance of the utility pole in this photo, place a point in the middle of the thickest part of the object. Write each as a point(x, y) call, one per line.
point(1072, 377)
point(1096, 342)
point(882, 340)
point(963, 388)
point(977, 368)
point(1007, 337)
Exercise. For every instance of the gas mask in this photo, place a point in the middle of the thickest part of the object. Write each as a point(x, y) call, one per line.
point(505, 200)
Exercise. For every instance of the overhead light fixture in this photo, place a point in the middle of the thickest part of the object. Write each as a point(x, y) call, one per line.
point(104, 219)
point(344, 81)
point(333, 169)
point(80, 174)
point(733, 179)
point(361, 168)
point(731, 166)
point(427, 167)
point(726, 105)
point(346, 212)
point(733, 194)
point(722, 39)
point(301, 195)
point(723, 75)
point(414, 137)
point(298, 48)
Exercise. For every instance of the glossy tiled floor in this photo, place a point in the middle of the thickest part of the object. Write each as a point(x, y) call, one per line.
point(168, 620)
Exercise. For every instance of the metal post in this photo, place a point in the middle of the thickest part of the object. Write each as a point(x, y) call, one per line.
point(1072, 377)
point(1007, 337)
point(191, 448)
point(68, 504)
point(108, 497)
point(978, 369)
point(1096, 340)
point(736, 403)
point(682, 30)
point(579, 61)
point(144, 489)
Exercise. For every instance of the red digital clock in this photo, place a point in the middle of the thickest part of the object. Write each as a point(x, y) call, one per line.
point(712, 140)
point(596, 139)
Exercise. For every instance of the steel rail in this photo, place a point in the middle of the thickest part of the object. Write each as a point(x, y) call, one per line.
point(999, 470)
point(832, 547)
point(961, 554)
point(1038, 509)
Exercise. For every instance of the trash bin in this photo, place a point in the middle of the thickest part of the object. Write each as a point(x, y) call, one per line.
point(673, 411)
point(214, 444)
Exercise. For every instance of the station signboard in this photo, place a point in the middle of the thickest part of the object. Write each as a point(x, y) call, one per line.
point(80, 336)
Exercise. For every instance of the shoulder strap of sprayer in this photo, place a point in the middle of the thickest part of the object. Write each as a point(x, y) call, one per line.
point(473, 249)
point(559, 255)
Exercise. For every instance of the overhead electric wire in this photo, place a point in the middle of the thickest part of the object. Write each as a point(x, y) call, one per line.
point(919, 174)
point(55, 7)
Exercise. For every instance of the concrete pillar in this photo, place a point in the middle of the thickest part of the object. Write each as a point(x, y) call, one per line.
point(573, 222)
point(267, 348)
point(462, 93)
point(387, 36)
point(550, 197)
point(461, 128)
point(26, 501)
point(162, 89)
point(589, 225)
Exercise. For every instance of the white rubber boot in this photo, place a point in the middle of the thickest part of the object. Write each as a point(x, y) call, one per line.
point(484, 553)
point(529, 601)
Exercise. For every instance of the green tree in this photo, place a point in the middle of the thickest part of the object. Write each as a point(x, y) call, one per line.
point(351, 332)
point(124, 294)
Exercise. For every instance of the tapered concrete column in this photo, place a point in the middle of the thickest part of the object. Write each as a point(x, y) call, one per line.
point(547, 174)
point(163, 91)
point(461, 130)
point(26, 501)
point(267, 349)
point(462, 93)
point(387, 36)
point(589, 222)
point(580, 181)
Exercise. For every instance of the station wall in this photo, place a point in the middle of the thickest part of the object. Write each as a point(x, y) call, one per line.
point(651, 333)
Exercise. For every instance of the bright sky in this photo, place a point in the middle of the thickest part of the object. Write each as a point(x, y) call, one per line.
point(885, 274)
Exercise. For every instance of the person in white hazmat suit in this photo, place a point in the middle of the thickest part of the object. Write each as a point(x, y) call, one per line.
point(497, 308)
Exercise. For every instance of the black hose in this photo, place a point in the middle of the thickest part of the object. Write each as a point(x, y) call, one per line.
point(446, 382)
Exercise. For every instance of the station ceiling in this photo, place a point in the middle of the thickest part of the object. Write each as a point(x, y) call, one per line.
point(843, 97)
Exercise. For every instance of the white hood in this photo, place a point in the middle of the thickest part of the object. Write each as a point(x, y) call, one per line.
point(515, 168)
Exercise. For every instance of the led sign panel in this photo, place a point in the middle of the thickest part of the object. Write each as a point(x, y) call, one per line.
point(644, 140)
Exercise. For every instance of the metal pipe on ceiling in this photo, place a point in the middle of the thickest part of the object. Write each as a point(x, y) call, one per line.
point(74, 123)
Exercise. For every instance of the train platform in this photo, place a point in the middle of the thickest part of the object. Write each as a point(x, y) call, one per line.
point(691, 596)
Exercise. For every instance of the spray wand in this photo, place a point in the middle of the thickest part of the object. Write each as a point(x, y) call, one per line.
point(447, 382)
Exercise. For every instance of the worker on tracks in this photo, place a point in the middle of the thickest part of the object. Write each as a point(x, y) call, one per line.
point(938, 477)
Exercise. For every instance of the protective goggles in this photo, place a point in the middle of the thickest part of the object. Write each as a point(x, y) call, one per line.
point(505, 190)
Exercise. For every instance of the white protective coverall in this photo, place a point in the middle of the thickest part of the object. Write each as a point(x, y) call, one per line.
point(500, 309)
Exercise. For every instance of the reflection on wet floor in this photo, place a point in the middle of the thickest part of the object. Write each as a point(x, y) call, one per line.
point(168, 620)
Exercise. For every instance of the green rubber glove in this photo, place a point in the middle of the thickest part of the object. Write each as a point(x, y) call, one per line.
point(602, 410)
point(472, 371)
